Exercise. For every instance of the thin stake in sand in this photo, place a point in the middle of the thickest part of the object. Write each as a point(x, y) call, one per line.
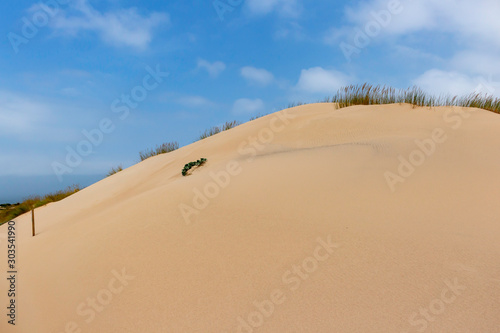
point(33, 221)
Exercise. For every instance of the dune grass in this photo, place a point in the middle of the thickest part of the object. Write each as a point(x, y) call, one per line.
point(367, 94)
point(295, 104)
point(12, 211)
point(161, 149)
point(115, 170)
point(217, 129)
point(257, 116)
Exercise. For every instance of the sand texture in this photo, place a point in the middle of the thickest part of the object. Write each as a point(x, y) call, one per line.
point(365, 219)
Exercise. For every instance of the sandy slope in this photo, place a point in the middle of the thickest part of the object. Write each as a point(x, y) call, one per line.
point(307, 236)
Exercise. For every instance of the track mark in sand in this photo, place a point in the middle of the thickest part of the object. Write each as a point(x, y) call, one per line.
point(378, 146)
point(292, 150)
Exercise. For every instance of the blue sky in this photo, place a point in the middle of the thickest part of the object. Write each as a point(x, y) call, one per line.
point(67, 67)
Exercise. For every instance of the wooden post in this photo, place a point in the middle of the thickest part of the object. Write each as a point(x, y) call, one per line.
point(33, 221)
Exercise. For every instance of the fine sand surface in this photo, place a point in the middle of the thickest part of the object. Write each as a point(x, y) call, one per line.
point(307, 236)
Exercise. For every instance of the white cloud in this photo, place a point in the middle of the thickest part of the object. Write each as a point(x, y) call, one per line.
point(286, 8)
point(477, 62)
point(248, 106)
point(473, 21)
point(412, 54)
point(466, 72)
point(318, 80)
point(213, 69)
point(257, 76)
point(438, 82)
point(125, 27)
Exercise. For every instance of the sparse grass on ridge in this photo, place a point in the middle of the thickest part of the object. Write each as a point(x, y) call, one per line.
point(295, 104)
point(35, 201)
point(115, 170)
point(161, 149)
point(367, 94)
point(217, 129)
point(257, 116)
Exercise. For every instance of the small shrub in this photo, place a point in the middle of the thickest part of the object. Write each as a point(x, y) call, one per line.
point(188, 166)
point(161, 149)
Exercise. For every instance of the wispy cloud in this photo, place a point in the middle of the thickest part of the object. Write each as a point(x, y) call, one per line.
point(195, 101)
point(465, 72)
point(439, 82)
point(285, 8)
point(124, 27)
point(318, 80)
point(257, 75)
point(477, 62)
point(245, 106)
point(291, 29)
point(19, 115)
point(474, 21)
point(213, 69)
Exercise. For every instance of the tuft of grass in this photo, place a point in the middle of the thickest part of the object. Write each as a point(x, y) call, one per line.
point(217, 129)
point(161, 149)
point(257, 116)
point(367, 94)
point(115, 170)
point(12, 211)
point(294, 104)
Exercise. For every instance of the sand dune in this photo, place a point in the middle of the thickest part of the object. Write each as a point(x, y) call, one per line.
point(364, 219)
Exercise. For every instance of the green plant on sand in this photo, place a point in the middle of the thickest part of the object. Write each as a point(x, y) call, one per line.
point(188, 166)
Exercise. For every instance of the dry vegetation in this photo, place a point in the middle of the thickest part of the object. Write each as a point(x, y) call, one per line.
point(367, 94)
point(9, 212)
point(115, 170)
point(161, 149)
point(217, 129)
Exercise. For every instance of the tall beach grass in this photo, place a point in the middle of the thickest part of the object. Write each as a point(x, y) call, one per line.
point(367, 94)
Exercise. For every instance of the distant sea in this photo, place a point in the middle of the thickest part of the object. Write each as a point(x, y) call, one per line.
point(14, 189)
